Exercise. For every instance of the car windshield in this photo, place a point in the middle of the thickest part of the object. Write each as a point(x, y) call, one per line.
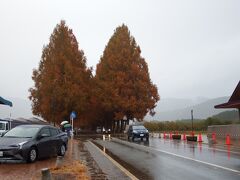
point(2, 126)
point(139, 128)
point(22, 132)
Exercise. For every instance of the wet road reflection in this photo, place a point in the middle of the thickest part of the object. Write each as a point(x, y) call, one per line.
point(139, 173)
point(157, 164)
point(224, 156)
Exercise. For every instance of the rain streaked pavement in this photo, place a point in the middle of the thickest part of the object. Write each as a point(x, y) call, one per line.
point(174, 159)
point(156, 159)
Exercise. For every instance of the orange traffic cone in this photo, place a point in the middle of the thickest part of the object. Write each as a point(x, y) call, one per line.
point(214, 137)
point(164, 135)
point(228, 140)
point(199, 137)
point(184, 137)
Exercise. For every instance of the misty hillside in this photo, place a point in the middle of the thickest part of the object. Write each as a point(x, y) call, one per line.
point(169, 104)
point(227, 115)
point(21, 108)
point(200, 111)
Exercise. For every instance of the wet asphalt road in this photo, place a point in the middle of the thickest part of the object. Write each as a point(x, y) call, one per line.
point(169, 159)
point(157, 159)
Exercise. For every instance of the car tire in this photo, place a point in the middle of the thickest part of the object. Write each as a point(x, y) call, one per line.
point(32, 155)
point(62, 150)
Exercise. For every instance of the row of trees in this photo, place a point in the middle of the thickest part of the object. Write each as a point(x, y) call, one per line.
point(186, 125)
point(120, 89)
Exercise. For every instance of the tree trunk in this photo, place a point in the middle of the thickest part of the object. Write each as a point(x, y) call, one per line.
point(117, 126)
point(121, 130)
point(113, 126)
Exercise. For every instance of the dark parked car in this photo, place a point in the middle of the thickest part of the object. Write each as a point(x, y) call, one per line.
point(31, 142)
point(137, 131)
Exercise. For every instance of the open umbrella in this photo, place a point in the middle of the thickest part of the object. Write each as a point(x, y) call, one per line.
point(64, 122)
point(67, 125)
point(5, 102)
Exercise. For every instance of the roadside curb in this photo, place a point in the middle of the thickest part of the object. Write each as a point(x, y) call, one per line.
point(120, 167)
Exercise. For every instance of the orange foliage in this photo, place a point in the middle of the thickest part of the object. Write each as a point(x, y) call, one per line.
point(62, 81)
point(121, 87)
point(122, 77)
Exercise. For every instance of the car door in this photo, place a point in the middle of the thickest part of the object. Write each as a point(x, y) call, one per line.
point(55, 140)
point(44, 144)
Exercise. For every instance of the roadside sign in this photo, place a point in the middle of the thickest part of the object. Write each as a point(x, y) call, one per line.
point(73, 115)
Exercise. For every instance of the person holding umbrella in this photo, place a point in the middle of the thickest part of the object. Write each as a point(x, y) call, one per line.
point(66, 127)
point(62, 125)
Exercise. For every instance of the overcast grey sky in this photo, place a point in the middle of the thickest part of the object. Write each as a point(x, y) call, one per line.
point(192, 47)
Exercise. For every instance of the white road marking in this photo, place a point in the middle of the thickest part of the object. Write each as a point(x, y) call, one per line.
point(203, 162)
point(130, 175)
point(188, 158)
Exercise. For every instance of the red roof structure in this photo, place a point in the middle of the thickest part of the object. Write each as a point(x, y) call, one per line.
point(234, 101)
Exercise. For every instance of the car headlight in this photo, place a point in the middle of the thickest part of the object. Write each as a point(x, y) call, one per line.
point(21, 144)
point(134, 131)
point(146, 131)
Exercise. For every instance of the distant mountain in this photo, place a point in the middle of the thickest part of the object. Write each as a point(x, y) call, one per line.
point(21, 108)
point(170, 104)
point(200, 111)
point(227, 115)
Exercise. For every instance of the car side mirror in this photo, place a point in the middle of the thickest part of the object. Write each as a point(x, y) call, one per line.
point(40, 136)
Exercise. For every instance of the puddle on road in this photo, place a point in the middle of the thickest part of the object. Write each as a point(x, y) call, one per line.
point(139, 174)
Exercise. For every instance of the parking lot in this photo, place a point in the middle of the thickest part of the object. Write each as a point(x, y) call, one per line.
point(16, 170)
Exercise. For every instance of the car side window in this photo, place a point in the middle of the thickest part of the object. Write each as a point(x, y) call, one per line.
point(7, 128)
point(45, 131)
point(54, 132)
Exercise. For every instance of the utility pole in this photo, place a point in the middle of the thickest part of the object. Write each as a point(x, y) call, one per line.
point(192, 121)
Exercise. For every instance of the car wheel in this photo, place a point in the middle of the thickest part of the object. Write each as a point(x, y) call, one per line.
point(32, 155)
point(62, 150)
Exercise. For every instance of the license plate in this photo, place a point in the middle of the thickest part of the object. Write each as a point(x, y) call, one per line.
point(1, 153)
point(141, 134)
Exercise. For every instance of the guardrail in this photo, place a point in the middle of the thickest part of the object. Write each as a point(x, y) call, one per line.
point(222, 131)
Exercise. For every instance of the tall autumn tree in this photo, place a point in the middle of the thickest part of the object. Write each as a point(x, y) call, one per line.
point(62, 80)
point(124, 85)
